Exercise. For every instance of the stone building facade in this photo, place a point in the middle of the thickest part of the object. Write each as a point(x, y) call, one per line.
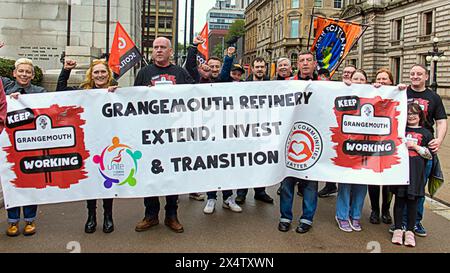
point(401, 34)
point(280, 28)
point(38, 30)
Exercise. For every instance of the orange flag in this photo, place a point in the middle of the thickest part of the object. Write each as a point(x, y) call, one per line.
point(203, 48)
point(334, 39)
point(124, 53)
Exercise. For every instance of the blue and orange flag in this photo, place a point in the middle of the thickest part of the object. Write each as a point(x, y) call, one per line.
point(334, 39)
point(124, 53)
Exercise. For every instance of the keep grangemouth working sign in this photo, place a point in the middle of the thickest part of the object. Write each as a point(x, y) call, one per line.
point(175, 139)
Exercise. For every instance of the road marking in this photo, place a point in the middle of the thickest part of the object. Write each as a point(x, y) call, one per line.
point(437, 207)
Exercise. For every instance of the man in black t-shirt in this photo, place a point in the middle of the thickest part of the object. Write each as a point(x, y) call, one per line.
point(431, 104)
point(161, 72)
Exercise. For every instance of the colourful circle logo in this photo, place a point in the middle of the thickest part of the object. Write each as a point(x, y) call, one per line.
point(118, 164)
point(303, 146)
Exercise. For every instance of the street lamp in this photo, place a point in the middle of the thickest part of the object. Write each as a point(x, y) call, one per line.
point(435, 56)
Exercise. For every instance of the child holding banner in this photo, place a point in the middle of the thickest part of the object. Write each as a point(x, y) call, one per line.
point(417, 139)
point(99, 75)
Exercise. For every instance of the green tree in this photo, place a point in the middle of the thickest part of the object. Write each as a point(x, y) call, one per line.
point(7, 67)
point(218, 51)
point(236, 31)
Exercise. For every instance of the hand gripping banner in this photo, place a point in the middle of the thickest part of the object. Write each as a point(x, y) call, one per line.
point(176, 139)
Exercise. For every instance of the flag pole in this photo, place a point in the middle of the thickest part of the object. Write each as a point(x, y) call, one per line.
point(353, 45)
point(310, 27)
point(108, 19)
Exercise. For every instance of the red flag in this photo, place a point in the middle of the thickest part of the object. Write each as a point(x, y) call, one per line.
point(203, 48)
point(124, 53)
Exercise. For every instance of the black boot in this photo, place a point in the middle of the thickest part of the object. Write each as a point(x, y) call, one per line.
point(108, 224)
point(91, 223)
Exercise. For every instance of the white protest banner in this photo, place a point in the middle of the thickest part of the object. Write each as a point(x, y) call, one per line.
point(176, 139)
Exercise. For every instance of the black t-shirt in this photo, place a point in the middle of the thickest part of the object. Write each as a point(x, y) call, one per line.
point(153, 74)
point(431, 104)
point(417, 164)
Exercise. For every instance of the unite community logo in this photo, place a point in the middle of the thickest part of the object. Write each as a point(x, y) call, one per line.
point(303, 146)
point(118, 164)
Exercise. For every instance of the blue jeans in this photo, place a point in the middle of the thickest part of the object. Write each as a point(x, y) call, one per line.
point(420, 200)
point(225, 193)
point(350, 201)
point(309, 204)
point(29, 214)
point(152, 206)
point(258, 192)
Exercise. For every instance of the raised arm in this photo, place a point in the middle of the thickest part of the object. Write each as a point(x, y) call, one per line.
point(191, 59)
point(65, 74)
point(227, 64)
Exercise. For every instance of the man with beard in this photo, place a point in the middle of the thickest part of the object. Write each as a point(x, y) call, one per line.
point(258, 74)
point(259, 70)
point(213, 67)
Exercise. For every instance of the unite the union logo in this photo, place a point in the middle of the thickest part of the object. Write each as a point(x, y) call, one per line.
point(118, 164)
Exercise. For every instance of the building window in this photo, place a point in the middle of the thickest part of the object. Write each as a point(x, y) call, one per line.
point(396, 69)
point(295, 4)
point(281, 31)
point(337, 4)
point(397, 28)
point(318, 3)
point(294, 28)
point(294, 58)
point(427, 23)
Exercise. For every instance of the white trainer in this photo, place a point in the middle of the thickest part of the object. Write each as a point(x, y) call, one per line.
point(231, 204)
point(210, 205)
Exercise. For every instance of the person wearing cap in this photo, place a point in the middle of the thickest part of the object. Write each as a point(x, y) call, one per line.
point(236, 73)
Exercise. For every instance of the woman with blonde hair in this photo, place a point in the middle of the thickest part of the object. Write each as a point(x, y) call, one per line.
point(98, 76)
point(23, 73)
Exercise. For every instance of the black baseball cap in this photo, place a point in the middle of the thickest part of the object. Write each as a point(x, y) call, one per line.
point(237, 67)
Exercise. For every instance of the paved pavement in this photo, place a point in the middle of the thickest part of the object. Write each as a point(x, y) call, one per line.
point(61, 227)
